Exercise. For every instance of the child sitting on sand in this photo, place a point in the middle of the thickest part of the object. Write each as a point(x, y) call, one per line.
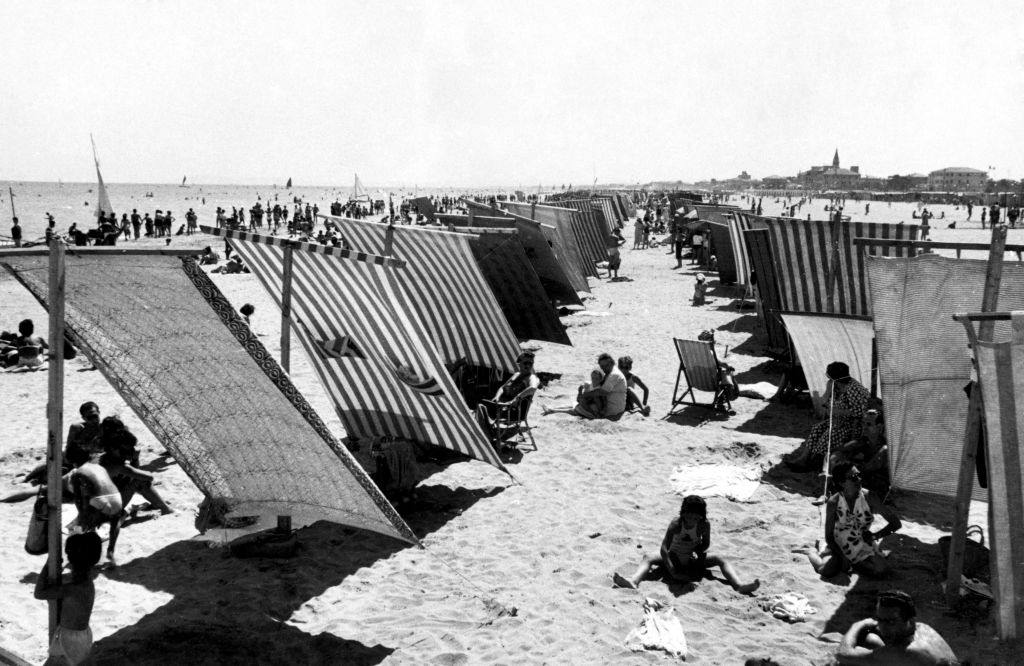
point(632, 382)
point(700, 290)
point(683, 556)
point(72, 641)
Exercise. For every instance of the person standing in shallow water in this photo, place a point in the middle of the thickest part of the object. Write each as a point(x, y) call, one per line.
point(16, 232)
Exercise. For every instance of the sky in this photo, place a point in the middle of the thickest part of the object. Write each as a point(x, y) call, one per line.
point(506, 93)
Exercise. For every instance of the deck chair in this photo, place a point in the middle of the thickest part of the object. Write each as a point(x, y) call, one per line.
point(511, 422)
point(698, 363)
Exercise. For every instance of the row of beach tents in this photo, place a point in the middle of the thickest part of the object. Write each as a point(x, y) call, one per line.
point(862, 293)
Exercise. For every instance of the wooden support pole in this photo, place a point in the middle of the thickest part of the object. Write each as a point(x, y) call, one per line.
point(389, 240)
point(286, 309)
point(968, 458)
point(55, 424)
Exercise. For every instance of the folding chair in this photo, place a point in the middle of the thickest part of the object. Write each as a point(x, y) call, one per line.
point(699, 364)
point(511, 421)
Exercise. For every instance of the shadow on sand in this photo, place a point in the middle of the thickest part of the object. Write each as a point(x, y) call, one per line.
point(245, 603)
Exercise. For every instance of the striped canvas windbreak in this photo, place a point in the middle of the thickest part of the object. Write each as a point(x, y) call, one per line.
point(822, 339)
point(1001, 374)
point(801, 250)
point(591, 230)
point(565, 221)
point(738, 223)
point(561, 280)
point(924, 362)
point(447, 291)
point(721, 244)
point(759, 250)
point(369, 348)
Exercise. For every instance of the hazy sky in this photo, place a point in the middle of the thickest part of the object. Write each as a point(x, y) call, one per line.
point(477, 93)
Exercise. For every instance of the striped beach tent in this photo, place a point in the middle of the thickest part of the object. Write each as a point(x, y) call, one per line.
point(766, 291)
point(1001, 375)
point(740, 222)
point(801, 249)
point(504, 264)
point(564, 221)
point(359, 327)
point(821, 339)
point(476, 209)
point(721, 247)
point(592, 231)
point(923, 363)
point(449, 293)
point(446, 219)
point(203, 383)
point(542, 249)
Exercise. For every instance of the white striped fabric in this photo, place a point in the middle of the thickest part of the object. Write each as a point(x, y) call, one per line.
point(1001, 373)
point(738, 223)
point(821, 339)
point(447, 292)
point(390, 380)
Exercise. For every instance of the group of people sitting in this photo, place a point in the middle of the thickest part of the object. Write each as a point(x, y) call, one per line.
point(22, 350)
point(610, 393)
point(101, 474)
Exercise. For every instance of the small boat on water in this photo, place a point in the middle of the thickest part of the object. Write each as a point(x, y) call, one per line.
point(183, 179)
point(289, 184)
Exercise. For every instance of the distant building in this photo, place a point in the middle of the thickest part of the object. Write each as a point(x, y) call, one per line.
point(774, 182)
point(913, 182)
point(957, 179)
point(831, 177)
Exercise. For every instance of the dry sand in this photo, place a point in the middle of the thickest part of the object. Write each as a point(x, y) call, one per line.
point(591, 500)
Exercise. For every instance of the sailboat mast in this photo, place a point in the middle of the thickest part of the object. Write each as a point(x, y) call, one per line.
point(11, 193)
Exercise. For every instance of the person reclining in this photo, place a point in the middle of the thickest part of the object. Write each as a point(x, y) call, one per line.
point(603, 398)
point(519, 386)
point(894, 636)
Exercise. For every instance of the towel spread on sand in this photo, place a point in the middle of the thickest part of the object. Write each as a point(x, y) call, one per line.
point(791, 606)
point(659, 630)
point(732, 481)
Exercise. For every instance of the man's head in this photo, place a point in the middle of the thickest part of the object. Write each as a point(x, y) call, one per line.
point(90, 411)
point(896, 613)
point(525, 361)
point(606, 363)
point(26, 327)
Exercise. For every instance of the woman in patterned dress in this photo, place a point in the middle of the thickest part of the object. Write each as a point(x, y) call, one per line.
point(848, 407)
point(849, 514)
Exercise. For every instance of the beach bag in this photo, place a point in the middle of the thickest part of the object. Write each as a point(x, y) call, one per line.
point(37, 542)
point(976, 555)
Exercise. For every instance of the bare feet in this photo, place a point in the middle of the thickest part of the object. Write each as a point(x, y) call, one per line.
point(646, 410)
point(749, 588)
point(618, 580)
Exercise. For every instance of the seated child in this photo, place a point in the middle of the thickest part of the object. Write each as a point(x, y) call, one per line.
point(700, 290)
point(632, 382)
point(594, 404)
point(683, 557)
point(72, 641)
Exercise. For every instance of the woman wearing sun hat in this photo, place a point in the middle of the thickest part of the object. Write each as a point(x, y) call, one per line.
point(848, 400)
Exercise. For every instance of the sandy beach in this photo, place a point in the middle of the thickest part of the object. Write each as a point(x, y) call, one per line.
point(512, 571)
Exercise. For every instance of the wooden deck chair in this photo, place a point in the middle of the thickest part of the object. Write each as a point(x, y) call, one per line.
point(511, 422)
point(699, 364)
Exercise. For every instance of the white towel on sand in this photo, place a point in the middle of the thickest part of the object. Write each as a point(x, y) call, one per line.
point(732, 481)
point(659, 630)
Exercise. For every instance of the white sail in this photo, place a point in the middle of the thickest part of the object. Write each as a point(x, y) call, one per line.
point(103, 206)
point(358, 191)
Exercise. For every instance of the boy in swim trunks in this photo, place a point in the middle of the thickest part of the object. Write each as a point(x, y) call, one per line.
point(72, 641)
point(30, 346)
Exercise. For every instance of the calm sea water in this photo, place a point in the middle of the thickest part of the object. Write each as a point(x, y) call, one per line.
point(75, 203)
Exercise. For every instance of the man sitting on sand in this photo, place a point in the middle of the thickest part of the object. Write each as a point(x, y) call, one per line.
point(603, 398)
point(894, 636)
point(30, 347)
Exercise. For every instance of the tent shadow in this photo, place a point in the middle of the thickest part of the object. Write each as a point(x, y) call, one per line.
point(694, 415)
point(229, 610)
point(755, 345)
point(744, 323)
point(778, 420)
point(917, 570)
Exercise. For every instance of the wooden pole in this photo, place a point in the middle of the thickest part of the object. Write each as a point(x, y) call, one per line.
point(968, 458)
point(389, 240)
point(55, 424)
point(286, 309)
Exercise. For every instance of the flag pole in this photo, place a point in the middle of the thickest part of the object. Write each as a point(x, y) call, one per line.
point(55, 424)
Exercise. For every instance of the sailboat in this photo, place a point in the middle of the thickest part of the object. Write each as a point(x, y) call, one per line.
point(103, 206)
point(289, 183)
point(183, 179)
point(358, 191)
